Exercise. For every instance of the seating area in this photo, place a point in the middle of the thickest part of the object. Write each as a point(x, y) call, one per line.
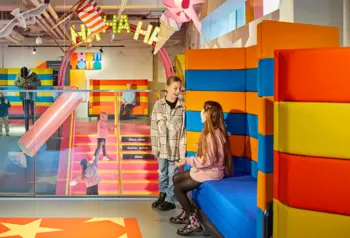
point(242, 81)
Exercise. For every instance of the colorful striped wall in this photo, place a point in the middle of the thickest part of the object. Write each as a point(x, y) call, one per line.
point(220, 75)
point(43, 99)
point(311, 144)
point(242, 80)
point(105, 101)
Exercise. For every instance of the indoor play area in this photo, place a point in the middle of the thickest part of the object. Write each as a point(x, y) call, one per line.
point(104, 106)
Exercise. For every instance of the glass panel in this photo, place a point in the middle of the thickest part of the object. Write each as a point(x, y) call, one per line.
point(17, 171)
point(49, 158)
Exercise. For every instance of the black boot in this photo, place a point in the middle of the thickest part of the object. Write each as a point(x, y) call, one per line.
point(166, 206)
point(193, 226)
point(160, 200)
point(180, 219)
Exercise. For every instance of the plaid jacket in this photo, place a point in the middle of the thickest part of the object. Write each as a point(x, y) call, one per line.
point(168, 131)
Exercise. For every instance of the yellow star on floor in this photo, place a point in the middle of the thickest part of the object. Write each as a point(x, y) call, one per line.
point(26, 231)
point(119, 221)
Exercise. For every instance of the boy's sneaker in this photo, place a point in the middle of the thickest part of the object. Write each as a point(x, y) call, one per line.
point(105, 158)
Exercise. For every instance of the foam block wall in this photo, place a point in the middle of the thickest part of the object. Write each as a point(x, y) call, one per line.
point(220, 75)
point(43, 99)
point(242, 80)
point(311, 144)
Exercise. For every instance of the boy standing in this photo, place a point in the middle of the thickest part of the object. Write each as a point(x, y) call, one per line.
point(4, 113)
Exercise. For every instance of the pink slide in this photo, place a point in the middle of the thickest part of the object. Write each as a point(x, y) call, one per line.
point(49, 122)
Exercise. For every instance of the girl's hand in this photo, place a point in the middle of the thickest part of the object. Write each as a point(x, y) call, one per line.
point(195, 146)
point(180, 163)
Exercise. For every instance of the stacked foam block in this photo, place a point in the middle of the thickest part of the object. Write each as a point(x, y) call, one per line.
point(312, 136)
point(231, 76)
point(220, 75)
point(271, 36)
point(43, 99)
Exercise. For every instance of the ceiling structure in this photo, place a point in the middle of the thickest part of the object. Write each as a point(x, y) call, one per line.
point(149, 11)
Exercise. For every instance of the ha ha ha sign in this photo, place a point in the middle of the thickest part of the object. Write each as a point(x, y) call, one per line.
point(150, 34)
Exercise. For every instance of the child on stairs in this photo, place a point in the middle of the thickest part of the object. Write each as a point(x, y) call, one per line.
point(102, 134)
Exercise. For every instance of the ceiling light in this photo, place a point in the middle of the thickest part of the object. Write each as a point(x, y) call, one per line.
point(34, 51)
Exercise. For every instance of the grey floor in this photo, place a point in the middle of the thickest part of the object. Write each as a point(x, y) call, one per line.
point(153, 224)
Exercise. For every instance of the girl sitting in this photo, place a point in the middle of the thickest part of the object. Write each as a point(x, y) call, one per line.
point(213, 160)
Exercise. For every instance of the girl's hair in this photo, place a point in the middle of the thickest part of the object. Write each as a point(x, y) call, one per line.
point(215, 120)
point(84, 165)
point(104, 113)
point(173, 79)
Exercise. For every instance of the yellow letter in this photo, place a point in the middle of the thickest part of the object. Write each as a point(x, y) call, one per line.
point(124, 24)
point(154, 37)
point(139, 31)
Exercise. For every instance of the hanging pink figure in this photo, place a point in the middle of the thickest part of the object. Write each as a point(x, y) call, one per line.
point(183, 11)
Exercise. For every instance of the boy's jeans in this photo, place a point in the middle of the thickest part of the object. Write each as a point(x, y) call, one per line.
point(5, 121)
point(167, 169)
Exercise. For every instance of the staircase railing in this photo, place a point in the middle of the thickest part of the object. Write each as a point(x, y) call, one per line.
point(268, 221)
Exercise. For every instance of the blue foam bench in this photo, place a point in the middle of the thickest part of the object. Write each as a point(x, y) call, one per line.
point(230, 205)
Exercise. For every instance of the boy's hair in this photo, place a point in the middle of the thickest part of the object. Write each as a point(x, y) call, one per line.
point(173, 79)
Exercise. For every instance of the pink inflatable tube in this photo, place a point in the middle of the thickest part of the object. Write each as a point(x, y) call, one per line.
point(49, 122)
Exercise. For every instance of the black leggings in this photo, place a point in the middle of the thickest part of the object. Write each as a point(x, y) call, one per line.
point(100, 140)
point(93, 190)
point(26, 104)
point(183, 183)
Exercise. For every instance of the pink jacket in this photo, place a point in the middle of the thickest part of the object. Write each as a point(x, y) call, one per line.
point(102, 129)
point(210, 170)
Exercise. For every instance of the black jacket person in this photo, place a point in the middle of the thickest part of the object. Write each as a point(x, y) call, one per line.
point(27, 80)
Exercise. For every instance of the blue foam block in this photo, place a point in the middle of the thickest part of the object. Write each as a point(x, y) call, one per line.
point(246, 165)
point(265, 153)
point(235, 122)
point(215, 80)
point(266, 77)
point(252, 80)
point(41, 76)
point(230, 204)
point(252, 126)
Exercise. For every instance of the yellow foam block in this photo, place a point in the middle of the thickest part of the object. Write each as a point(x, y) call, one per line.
point(237, 143)
point(313, 129)
point(112, 99)
point(230, 101)
point(42, 71)
point(40, 94)
point(296, 223)
point(116, 87)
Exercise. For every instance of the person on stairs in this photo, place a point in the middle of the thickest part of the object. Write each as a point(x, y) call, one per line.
point(4, 113)
point(89, 174)
point(102, 134)
point(27, 80)
point(212, 162)
point(168, 141)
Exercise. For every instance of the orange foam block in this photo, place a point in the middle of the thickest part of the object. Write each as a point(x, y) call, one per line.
point(312, 183)
point(265, 189)
point(274, 35)
point(220, 59)
point(312, 75)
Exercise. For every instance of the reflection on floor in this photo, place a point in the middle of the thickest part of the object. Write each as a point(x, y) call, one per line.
point(152, 223)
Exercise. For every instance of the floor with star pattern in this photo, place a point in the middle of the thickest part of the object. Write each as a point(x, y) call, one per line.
point(84, 218)
point(69, 227)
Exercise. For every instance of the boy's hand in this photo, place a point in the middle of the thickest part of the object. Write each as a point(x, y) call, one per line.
point(180, 163)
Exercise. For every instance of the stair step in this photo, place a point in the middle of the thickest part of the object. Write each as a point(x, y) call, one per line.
point(153, 187)
point(100, 193)
point(111, 175)
point(92, 139)
point(79, 156)
point(88, 148)
point(139, 176)
point(139, 166)
point(102, 165)
point(101, 187)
